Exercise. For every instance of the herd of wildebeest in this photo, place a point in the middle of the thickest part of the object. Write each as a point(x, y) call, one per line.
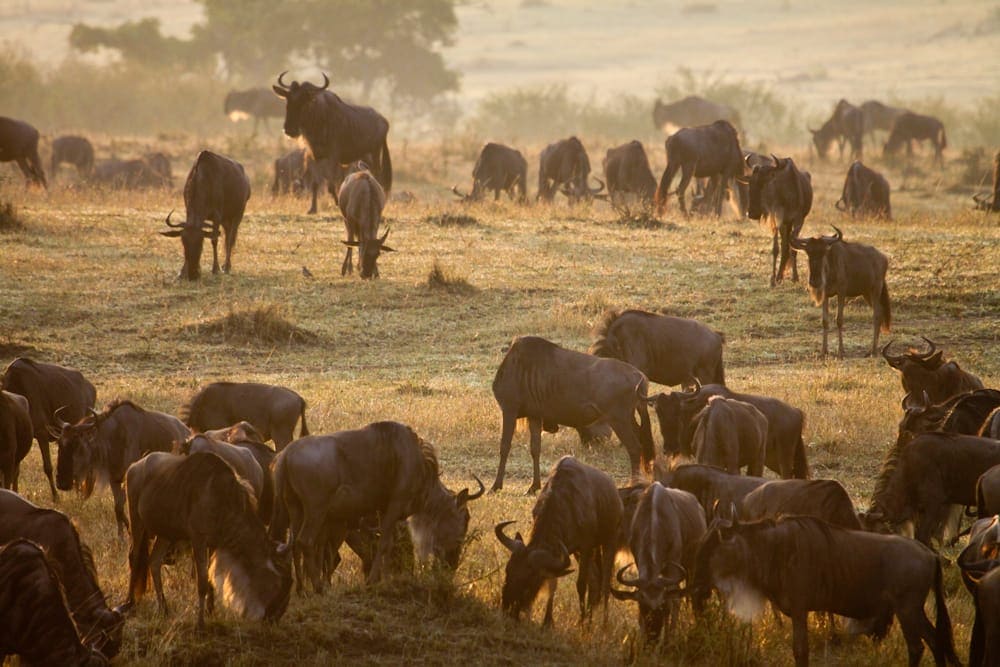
point(253, 515)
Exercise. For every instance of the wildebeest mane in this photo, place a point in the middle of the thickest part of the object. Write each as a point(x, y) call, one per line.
point(601, 346)
point(555, 510)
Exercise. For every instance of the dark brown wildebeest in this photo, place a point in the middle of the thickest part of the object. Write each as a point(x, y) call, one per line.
point(878, 116)
point(272, 410)
point(844, 270)
point(216, 190)
point(730, 434)
point(258, 103)
point(965, 414)
point(991, 426)
point(578, 512)
point(240, 459)
point(988, 493)
point(49, 387)
point(825, 499)
point(74, 150)
point(34, 621)
point(692, 111)
point(909, 127)
point(991, 202)
point(99, 626)
point(100, 447)
point(846, 123)
point(668, 350)
point(19, 143)
point(564, 166)
point(501, 169)
point(199, 499)
point(16, 435)
point(665, 531)
point(327, 484)
point(979, 563)
point(128, 174)
point(158, 164)
point(713, 487)
point(802, 564)
point(927, 372)
point(700, 152)
point(335, 129)
point(288, 173)
point(553, 386)
point(865, 194)
point(361, 202)
point(627, 171)
point(783, 194)
point(320, 174)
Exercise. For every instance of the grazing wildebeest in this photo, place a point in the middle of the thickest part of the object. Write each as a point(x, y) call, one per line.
point(988, 493)
point(578, 512)
point(240, 459)
point(288, 173)
point(980, 572)
point(965, 414)
point(878, 116)
point(19, 142)
point(216, 190)
point(865, 194)
point(927, 372)
point(564, 166)
point(100, 447)
point(361, 201)
point(74, 150)
point(327, 484)
point(553, 386)
point(668, 350)
point(802, 564)
point(627, 171)
point(700, 152)
point(501, 169)
point(199, 499)
point(825, 499)
point(783, 194)
point(49, 387)
point(665, 531)
point(731, 434)
point(258, 103)
point(713, 487)
point(16, 434)
point(72, 561)
point(272, 410)
point(846, 123)
point(34, 621)
point(845, 270)
point(909, 127)
point(335, 129)
point(692, 111)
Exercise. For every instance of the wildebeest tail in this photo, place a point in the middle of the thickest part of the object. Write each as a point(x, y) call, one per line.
point(663, 189)
point(278, 528)
point(886, 308)
point(800, 466)
point(943, 138)
point(647, 454)
point(943, 638)
point(385, 175)
point(304, 430)
point(605, 345)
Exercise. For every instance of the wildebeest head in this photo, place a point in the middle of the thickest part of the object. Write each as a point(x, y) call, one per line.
point(817, 249)
point(75, 453)
point(528, 568)
point(193, 239)
point(822, 138)
point(370, 251)
point(671, 414)
point(280, 562)
point(919, 415)
point(440, 530)
point(296, 96)
point(652, 594)
point(724, 562)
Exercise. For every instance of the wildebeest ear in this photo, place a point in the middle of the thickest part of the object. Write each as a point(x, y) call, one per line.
point(386, 248)
point(280, 92)
point(172, 233)
point(353, 244)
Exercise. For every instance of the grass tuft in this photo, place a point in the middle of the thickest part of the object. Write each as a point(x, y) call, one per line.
point(262, 325)
point(452, 220)
point(441, 279)
point(10, 218)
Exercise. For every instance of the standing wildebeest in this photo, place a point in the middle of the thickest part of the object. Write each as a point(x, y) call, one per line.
point(700, 152)
point(553, 386)
point(664, 534)
point(72, 561)
point(845, 270)
point(731, 434)
point(74, 150)
point(713, 487)
point(627, 171)
point(317, 174)
point(692, 111)
point(217, 190)
point(501, 169)
point(825, 499)
point(328, 483)
point(979, 563)
point(878, 116)
point(272, 410)
point(865, 194)
point(198, 499)
point(564, 166)
point(19, 142)
point(578, 512)
point(49, 387)
point(927, 372)
point(240, 459)
point(846, 123)
point(100, 447)
point(16, 434)
point(288, 173)
point(335, 129)
point(34, 621)
point(259, 103)
point(783, 194)
point(909, 127)
point(965, 414)
point(988, 493)
point(804, 564)
point(361, 201)
point(668, 350)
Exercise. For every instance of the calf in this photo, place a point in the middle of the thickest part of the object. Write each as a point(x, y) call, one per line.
point(865, 194)
point(361, 201)
point(74, 150)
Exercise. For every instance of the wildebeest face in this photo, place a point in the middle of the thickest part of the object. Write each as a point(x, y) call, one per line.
point(193, 239)
point(296, 96)
point(74, 461)
point(281, 563)
point(370, 251)
point(527, 569)
point(817, 248)
point(759, 179)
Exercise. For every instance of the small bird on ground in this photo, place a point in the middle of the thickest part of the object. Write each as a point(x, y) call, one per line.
point(306, 272)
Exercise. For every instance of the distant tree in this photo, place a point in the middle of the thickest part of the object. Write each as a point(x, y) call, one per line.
point(139, 42)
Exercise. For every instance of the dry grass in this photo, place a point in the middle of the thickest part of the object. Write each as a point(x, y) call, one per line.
point(259, 325)
point(10, 219)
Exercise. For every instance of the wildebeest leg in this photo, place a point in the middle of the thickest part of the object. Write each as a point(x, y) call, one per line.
point(347, 267)
point(774, 256)
point(392, 515)
point(607, 566)
point(625, 430)
point(785, 230)
point(585, 561)
point(877, 316)
point(215, 247)
point(43, 446)
point(509, 423)
point(800, 638)
point(826, 321)
point(119, 496)
point(230, 243)
point(159, 551)
point(686, 174)
point(841, 298)
point(138, 564)
point(915, 625)
point(551, 585)
point(535, 432)
point(311, 540)
point(199, 552)
point(934, 515)
point(315, 192)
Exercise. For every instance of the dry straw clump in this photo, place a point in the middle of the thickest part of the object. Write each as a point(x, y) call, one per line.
point(260, 325)
point(452, 220)
point(441, 279)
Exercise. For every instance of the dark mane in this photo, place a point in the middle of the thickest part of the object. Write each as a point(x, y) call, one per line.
point(555, 513)
point(118, 403)
point(601, 347)
point(805, 539)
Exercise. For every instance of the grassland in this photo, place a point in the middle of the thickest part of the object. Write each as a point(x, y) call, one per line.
point(87, 282)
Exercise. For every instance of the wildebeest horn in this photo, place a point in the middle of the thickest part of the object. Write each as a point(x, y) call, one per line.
point(478, 494)
point(124, 608)
point(597, 190)
point(93, 413)
point(892, 360)
point(173, 224)
point(326, 81)
point(929, 353)
point(62, 423)
point(838, 235)
point(511, 544)
point(797, 243)
point(281, 81)
point(626, 582)
point(680, 568)
point(384, 236)
point(454, 189)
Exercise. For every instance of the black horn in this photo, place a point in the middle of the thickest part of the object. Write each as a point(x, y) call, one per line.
point(511, 544)
point(173, 224)
point(326, 82)
point(929, 353)
point(62, 423)
point(482, 489)
point(626, 582)
point(281, 81)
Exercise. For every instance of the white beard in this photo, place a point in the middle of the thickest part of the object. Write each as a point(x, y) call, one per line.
point(234, 587)
point(743, 600)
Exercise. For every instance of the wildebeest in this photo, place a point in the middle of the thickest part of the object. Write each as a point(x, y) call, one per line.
point(19, 143)
point(16, 434)
point(965, 414)
point(692, 111)
point(865, 194)
point(928, 372)
point(878, 116)
point(578, 512)
point(239, 432)
point(335, 129)
point(979, 563)
point(700, 152)
point(553, 386)
point(988, 493)
point(804, 564)
point(991, 202)
point(49, 387)
point(216, 190)
point(501, 169)
point(288, 172)
point(328, 483)
point(272, 410)
point(100, 447)
point(713, 487)
point(665, 531)
point(564, 166)
point(825, 499)
point(627, 171)
point(34, 621)
point(320, 174)
point(361, 202)
point(846, 123)
point(731, 434)
point(75, 150)
point(240, 459)
point(259, 103)
point(198, 499)
point(909, 127)
point(783, 194)
point(669, 350)
point(845, 270)
point(131, 174)
point(73, 563)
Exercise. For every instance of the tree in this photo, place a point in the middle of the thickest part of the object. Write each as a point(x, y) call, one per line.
point(139, 42)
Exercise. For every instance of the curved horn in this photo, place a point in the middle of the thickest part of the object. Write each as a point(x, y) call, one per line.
point(454, 189)
point(478, 494)
point(838, 235)
point(326, 82)
point(930, 353)
point(281, 79)
point(595, 191)
point(511, 544)
point(173, 224)
point(746, 161)
point(62, 423)
point(680, 568)
point(892, 360)
point(626, 582)
point(384, 236)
